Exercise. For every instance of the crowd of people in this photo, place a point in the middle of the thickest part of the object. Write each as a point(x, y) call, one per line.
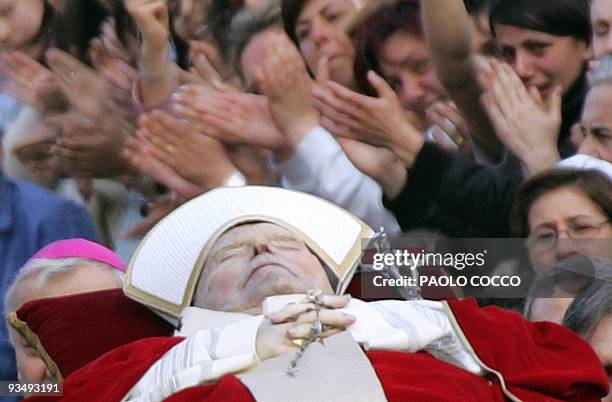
point(188, 189)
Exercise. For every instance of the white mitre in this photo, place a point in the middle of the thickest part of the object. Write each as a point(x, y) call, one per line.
point(165, 268)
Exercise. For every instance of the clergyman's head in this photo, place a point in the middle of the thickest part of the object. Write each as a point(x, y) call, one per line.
point(253, 261)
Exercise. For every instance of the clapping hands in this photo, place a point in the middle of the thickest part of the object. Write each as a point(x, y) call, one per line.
point(375, 132)
point(284, 80)
point(524, 121)
point(30, 82)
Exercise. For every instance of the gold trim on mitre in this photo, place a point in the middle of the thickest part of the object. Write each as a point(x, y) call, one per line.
point(34, 341)
point(341, 272)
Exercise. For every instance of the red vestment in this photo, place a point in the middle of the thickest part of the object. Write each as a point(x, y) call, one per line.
point(539, 362)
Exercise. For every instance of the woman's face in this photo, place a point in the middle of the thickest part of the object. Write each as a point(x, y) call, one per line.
point(406, 64)
point(321, 31)
point(601, 21)
point(565, 222)
point(596, 125)
point(541, 60)
point(20, 21)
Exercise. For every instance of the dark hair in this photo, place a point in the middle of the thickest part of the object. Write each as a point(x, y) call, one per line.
point(219, 21)
point(49, 25)
point(181, 47)
point(370, 36)
point(248, 23)
point(126, 27)
point(558, 17)
point(591, 306)
point(596, 185)
point(477, 6)
point(124, 24)
point(290, 12)
point(81, 21)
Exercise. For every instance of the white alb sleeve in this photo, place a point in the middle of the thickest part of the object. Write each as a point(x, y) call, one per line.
point(202, 357)
point(410, 326)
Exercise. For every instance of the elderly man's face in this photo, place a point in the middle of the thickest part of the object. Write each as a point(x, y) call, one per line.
point(30, 366)
point(251, 262)
point(85, 278)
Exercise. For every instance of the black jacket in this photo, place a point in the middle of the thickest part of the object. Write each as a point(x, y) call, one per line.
point(462, 198)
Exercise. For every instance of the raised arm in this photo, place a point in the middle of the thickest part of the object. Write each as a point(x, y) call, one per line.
point(158, 74)
point(446, 25)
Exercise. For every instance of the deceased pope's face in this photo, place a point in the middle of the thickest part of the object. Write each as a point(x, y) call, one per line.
point(253, 261)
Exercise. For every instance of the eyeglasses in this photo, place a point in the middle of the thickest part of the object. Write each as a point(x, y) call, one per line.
point(546, 239)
